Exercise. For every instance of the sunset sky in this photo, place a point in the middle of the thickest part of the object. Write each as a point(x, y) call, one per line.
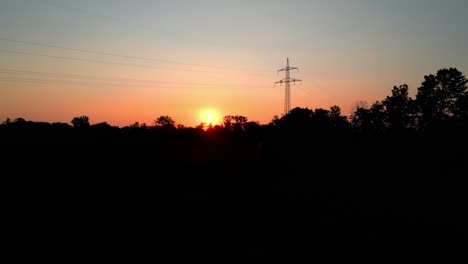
point(126, 61)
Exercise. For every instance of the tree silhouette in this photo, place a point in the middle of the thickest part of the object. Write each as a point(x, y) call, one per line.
point(320, 120)
point(441, 96)
point(239, 122)
point(164, 121)
point(337, 120)
point(102, 125)
point(19, 120)
point(369, 120)
point(235, 122)
point(201, 126)
point(359, 104)
point(399, 109)
point(335, 112)
point(80, 122)
point(227, 122)
point(297, 116)
point(135, 125)
point(275, 120)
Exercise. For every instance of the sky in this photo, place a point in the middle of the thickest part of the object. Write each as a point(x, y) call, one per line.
point(123, 62)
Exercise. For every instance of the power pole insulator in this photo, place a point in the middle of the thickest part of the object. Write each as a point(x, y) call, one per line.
point(287, 89)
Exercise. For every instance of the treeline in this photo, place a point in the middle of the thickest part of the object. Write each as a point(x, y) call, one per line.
point(440, 105)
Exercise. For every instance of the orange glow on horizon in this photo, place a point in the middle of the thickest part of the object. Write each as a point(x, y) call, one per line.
point(210, 116)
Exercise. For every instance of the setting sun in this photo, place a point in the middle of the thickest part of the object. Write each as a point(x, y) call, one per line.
point(210, 116)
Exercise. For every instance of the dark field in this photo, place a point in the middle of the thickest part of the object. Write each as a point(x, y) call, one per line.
point(99, 197)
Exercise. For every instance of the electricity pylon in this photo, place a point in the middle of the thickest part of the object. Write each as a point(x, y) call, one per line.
point(287, 89)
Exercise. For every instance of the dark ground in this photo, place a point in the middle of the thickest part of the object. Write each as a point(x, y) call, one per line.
point(133, 202)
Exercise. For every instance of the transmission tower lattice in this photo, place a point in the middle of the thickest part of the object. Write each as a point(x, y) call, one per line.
point(287, 89)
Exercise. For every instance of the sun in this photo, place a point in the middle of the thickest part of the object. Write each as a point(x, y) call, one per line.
point(210, 116)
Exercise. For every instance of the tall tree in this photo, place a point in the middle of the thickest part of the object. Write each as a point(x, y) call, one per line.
point(441, 96)
point(399, 108)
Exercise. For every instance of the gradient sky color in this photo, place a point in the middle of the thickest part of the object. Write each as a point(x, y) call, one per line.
point(126, 61)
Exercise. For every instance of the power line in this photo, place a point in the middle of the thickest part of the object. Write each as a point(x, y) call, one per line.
point(101, 62)
point(122, 56)
point(111, 79)
point(88, 77)
point(92, 51)
point(48, 81)
point(93, 84)
point(78, 83)
point(101, 16)
point(93, 61)
point(306, 92)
